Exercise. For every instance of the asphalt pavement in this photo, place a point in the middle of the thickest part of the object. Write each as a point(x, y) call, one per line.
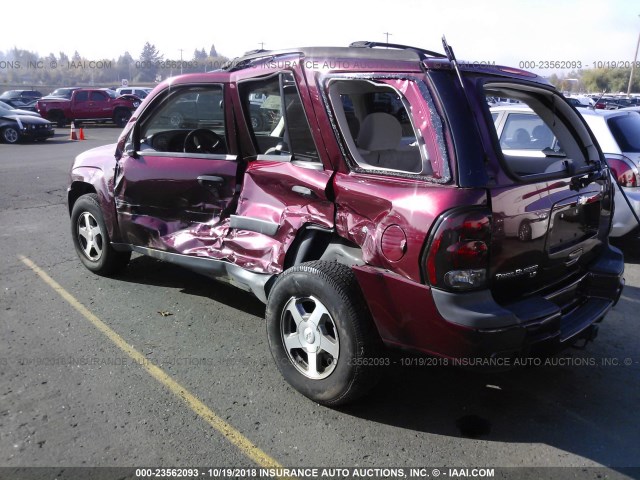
point(71, 395)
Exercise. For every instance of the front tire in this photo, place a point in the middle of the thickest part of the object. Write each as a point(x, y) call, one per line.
point(121, 117)
point(321, 334)
point(10, 135)
point(58, 118)
point(525, 232)
point(91, 238)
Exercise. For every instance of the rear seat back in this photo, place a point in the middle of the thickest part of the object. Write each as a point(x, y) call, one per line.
point(379, 144)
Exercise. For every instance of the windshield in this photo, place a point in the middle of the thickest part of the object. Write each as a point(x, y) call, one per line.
point(6, 111)
point(626, 131)
point(111, 93)
point(62, 92)
point(6, 106)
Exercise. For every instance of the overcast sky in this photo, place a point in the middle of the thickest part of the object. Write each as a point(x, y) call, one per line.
point(504, 31)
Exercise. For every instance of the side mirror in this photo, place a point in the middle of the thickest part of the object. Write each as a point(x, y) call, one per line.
point(128, 145)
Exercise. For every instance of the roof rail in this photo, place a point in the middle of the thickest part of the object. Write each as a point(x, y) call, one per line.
point(248, 58)
point(397, 46)
point(253, 52)
point(244, 61)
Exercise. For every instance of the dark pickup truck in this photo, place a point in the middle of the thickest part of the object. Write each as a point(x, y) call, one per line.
point(89, 104)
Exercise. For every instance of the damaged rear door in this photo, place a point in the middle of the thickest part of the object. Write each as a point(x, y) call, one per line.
point(284, 187)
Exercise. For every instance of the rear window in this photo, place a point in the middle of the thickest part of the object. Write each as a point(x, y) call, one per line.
point(526, 131)
point(536, 131)
point(626, 131)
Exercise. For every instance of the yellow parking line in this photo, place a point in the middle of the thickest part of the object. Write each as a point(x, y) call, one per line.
point(231, 434)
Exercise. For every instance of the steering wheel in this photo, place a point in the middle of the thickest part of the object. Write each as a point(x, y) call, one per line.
point(202, 140)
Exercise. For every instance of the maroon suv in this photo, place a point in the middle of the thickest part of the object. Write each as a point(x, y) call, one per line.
point(373, 206)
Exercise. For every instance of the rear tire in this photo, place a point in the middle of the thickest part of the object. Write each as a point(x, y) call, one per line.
point(321, 334)
point(91, 238)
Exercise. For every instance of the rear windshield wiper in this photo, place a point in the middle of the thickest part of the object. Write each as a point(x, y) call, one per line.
point(594, 173)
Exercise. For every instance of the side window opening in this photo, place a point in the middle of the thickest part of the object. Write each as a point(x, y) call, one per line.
point(377, 127)
point(534, 135)
point(189, 120)
point(82, 96)
point(277, 118)
point(98, 97)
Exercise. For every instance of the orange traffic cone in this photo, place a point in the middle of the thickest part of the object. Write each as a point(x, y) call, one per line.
point(72, 135)
point(82, 134)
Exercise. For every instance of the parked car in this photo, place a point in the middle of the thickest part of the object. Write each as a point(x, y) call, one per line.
point(96, 104)
point(29, 106)
point(24, 96)
point(360, 232)
point(64, 92)
point(618, 133)
point(607, 103)
point(15, 127)
point(140, 92)
point(18, 111)
point(580, 101)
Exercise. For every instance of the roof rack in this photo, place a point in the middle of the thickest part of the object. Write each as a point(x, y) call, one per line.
point(253, 52)
point(397, 46)
point(252, 56)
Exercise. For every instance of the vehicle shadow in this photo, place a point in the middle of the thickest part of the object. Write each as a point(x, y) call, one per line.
point(581, 401)
point(149, 271)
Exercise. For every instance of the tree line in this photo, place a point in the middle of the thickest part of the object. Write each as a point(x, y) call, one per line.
point(609, 80)
point(23, 67)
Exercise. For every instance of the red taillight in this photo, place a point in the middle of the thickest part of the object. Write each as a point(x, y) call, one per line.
point(624, 172)
point(458, 254)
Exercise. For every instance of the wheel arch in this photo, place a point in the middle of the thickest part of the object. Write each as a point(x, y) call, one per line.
point(313, 242)
point(121, 110)
point(86, 180)
point(56, 115)
point(76, 190)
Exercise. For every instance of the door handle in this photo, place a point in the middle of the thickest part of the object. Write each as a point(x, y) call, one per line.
point(210, 181)
point(304, 191)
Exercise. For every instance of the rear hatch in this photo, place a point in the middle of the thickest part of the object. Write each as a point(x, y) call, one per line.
point(551, 200)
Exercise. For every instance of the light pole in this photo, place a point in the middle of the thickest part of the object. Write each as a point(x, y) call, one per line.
point(180, 60)
point(635, 59)
point(387, 34)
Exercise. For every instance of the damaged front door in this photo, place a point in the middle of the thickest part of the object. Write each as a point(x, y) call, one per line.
point(176, 182)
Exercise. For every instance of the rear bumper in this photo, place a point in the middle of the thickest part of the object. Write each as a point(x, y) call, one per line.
point(472, 325)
